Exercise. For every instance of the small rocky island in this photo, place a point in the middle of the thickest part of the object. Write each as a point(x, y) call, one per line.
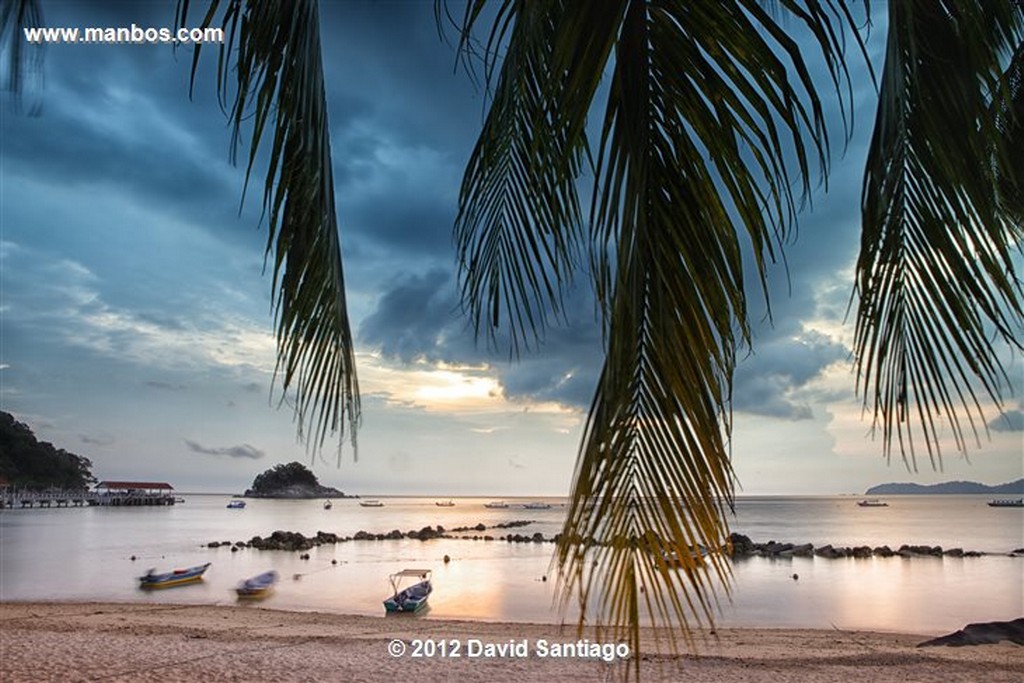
point(293, 480)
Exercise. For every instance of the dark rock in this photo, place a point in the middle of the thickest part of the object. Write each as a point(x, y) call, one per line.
point(884, 551)
point(862, 551)
point(955, 552)
point(982, 634)
point(741, 545)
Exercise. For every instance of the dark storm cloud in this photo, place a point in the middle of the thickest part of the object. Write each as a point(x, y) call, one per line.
point(241, 451)
point(164, 386)
point(102, 440)
point(1009, 421)
point(419, 318)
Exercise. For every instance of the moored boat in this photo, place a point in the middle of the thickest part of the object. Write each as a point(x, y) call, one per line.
point(412, 598)
point(236, 504)
point(328, 505)
point(371, 503)
point(872, 503)
point(173, 578)
point(257, 587)
point(1007, 503)
point(444, 503)
point(537, 505)
point(496, 505)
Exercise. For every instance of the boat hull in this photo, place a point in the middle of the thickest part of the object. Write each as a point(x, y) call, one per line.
point(258, 587)
point(178, 577)
point(411, 599)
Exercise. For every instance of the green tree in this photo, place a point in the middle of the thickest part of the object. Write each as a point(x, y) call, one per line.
point(712, 131)
point(281, 476)
point(26, 462)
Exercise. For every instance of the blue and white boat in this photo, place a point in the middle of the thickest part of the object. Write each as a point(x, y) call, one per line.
point(411, 598)
point(173, 578)
point(236, 504)
point(257, 587)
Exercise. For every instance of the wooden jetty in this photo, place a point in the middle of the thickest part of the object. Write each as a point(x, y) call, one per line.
point(106, 494)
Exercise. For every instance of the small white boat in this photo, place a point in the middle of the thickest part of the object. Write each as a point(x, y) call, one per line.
point(257, 587)
point(496, 505)
point(328, 505)
point(537, 505)
point(411, 598)
point(236, 504)
point(444, 503)
point(873, 503)
point(371, 503)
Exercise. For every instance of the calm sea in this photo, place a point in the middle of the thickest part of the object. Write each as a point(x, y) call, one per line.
point(85, 554)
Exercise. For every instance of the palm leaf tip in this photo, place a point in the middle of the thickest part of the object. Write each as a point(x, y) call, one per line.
point(270, 79)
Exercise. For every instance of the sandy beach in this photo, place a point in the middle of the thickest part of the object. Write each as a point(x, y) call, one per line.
point(149, 642)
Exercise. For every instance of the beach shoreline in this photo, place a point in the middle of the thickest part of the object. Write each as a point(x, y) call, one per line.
point(91, 641)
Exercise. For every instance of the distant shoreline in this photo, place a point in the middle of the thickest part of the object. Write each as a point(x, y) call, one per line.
point(149, 642)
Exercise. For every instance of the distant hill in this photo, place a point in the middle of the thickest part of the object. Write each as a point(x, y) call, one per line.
point(953, 487)
point(293, 480)
point(26, 462)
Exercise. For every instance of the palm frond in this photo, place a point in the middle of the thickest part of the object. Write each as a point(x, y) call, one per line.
point(935, 275)
point(1008, 112)
point(518, 225)
point(708, 105)
point(23, 60)
point(713, 128)
point(270, 77)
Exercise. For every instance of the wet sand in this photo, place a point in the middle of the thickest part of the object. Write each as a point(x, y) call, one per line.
point(150, 642)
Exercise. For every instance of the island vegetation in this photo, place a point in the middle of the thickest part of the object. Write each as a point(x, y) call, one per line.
point(293, 480)
point(27, 463)
point(947, 487)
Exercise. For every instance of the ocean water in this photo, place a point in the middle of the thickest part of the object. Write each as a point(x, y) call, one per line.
point(86, 554)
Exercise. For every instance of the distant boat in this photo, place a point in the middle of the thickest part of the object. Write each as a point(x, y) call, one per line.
point(1007, 503)
point(537, 505)
point(411, 598)
point(257, 587)
point(328, 505)
point(873, 503)
point(170, 579)
point(371, 503)
point(496, 505)
point(444, 503)
point(236, 504)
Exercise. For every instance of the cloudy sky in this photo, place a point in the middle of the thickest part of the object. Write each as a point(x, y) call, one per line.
point(136, 319)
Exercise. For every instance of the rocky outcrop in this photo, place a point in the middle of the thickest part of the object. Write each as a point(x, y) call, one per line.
point(293, 480)
point(982, 634)
point(295, 541)
point(742, 546)
point(297, 491)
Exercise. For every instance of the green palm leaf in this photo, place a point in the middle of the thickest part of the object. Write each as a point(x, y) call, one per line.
point(270, 77)
point(936, 275)
point(711, 119)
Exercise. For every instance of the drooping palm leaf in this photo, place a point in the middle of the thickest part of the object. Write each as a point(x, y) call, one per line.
point(936, 275)
point(519, 219)
point(270, 78)
point(22, 59)
point(1008, 112)
point(712, 117)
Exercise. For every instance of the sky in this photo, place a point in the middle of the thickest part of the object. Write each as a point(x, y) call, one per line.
point(136, 324)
